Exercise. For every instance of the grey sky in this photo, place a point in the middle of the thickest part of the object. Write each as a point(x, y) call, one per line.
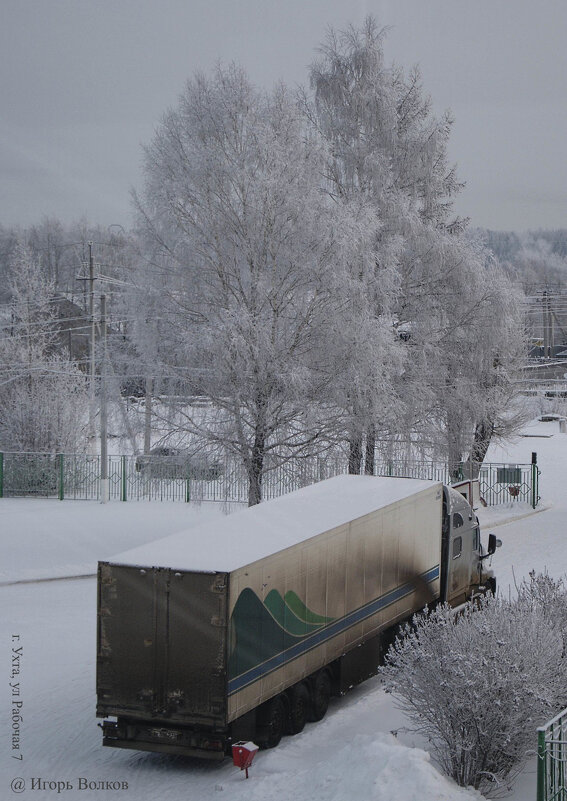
point(85, 82)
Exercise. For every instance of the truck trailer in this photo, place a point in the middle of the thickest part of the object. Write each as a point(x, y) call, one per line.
point(243, 627)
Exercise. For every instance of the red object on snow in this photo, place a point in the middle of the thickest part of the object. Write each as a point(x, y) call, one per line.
point(243, 754)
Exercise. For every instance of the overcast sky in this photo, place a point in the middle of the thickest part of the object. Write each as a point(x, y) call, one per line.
point(84, 83)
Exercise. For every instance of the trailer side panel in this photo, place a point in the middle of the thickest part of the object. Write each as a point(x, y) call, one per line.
point(297, 611)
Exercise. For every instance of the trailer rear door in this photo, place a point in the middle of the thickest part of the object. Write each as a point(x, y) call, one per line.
point(162, 644)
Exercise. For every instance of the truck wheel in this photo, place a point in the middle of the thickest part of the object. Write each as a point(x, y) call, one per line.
point(320, 696)
point(298, 709)
point(272, 723)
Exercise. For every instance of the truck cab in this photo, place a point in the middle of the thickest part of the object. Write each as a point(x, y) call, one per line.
point(463, 573)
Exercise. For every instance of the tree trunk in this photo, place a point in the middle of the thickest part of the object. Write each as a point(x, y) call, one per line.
point(369, 456)
point(256, 467)
point(355, 455)
point(454, 444)
point(482, 435)
point(148, 415)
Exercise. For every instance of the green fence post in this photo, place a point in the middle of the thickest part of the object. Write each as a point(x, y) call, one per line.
point(1, 475)
point(560, 763)
point(61, 493)
point(124, 483)
point(541, 771)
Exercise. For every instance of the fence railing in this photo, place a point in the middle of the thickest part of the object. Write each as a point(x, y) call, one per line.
point(552, 759)
point(201, 478)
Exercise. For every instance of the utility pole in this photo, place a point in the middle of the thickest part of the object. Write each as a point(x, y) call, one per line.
point(92, 347)
point(544, 322)
point(550, 336)
point(92, 434)
point(547, 325)
point(103, 407)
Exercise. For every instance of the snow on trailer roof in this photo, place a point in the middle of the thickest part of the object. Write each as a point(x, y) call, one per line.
point(228, 543)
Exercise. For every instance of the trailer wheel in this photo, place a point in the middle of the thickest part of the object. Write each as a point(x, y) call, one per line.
point(320, 696)
point(272, 723)
point(298, 709)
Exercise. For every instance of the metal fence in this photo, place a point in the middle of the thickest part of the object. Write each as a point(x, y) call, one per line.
point(201, 478)
point(150, 478)
point(552, 759)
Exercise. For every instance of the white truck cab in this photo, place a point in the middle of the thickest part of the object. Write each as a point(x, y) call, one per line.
point(463, 558)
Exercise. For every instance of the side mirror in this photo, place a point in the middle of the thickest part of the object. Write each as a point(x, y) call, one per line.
point(493, 544)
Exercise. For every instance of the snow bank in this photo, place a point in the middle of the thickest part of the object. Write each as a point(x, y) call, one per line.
point(373, 768)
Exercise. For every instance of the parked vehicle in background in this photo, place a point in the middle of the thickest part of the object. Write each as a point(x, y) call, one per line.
point(164, 462)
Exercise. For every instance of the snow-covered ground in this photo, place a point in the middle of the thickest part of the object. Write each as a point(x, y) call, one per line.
point(48, 538)
point(350, 754)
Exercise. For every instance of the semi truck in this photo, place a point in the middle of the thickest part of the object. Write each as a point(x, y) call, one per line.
point(243, 627)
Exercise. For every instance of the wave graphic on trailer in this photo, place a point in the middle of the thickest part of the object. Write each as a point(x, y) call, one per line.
point(285, 636)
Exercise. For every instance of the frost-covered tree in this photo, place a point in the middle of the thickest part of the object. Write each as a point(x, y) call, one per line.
point(43, 398)
point(534, 259)
point(430, 281)
point(471, 344)
point(232, 211)
point(351, 109)
point(387, 149)
point(500, 341)
point(478, 683)
point(48, 242)
point(8, 242)
point(307, 273)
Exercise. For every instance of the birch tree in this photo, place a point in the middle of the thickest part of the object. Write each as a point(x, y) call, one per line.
point(387, 147)
point(468, 341)
point(232, 206)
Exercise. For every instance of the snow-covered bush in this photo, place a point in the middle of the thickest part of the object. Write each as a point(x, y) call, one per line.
point(43, 394)
point(550, 595)
point(477, 683)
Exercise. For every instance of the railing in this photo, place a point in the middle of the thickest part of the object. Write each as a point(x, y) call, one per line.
point(203, 478)
point(498, 483)
point(552, 759)
point(502, 483)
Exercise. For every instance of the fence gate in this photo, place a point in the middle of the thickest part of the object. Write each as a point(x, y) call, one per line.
point(552, 759)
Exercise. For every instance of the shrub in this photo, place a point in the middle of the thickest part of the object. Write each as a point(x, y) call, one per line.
point(478, 682)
